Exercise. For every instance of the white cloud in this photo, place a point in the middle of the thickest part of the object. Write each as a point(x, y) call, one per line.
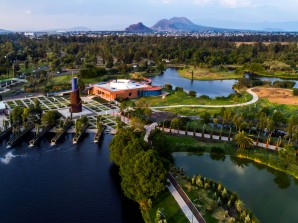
point(28, 12)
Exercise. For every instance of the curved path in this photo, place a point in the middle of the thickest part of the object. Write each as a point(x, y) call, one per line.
point(254, 100)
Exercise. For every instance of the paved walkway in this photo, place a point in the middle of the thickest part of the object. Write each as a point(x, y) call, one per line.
point(188, 208)
point(254, 100)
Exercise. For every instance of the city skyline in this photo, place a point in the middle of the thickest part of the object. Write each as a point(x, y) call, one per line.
point(33, 15)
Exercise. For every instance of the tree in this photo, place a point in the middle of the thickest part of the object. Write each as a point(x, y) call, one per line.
point(50, 118)
point(160, 216)
point(243, 141)
point(287, 155)
point(192, 93)
point(143, 177)
point(205, 117)
point(159, 142)
point(120, 141)
point(25, 115)
point(292, 123)
point(176, 123)
point(16, 114)
point(137, 124)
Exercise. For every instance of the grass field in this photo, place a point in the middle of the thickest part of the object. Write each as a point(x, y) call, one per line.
point(171, 209)
point(182, 98)
point(67, 79)
point(207, 74)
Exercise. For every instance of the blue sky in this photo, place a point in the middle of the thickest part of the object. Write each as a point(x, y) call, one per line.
point(117, 14)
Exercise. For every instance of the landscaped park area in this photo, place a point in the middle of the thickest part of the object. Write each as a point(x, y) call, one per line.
point(91, 108)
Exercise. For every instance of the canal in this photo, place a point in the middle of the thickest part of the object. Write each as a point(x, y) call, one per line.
point(63, 183)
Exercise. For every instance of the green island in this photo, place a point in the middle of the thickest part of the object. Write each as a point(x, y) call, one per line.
point(213, 73)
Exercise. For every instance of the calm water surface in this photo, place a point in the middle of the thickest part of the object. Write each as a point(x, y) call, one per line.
point(211, 88)
point(64, 183)
point(270, 194)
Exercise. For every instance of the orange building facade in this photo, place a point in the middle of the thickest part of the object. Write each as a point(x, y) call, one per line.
point(124, 89)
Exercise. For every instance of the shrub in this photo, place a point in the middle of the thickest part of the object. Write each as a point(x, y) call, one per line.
point(295, 91)
point(179, 89)
point(168, 87)
point(192, 93)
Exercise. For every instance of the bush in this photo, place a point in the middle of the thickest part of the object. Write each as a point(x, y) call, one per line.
point(168, 87)
point(284, 84)
point(192, 93)
point(295, 91)
point(179, 89)
point(204, 97)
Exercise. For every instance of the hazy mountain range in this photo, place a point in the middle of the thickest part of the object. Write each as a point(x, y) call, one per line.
point(182, 24)
point(2, 31)
point(175, 24)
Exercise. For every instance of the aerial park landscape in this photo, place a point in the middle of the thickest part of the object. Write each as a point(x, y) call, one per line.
point(171, 123)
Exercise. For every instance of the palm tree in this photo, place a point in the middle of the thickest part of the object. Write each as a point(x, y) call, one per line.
point(243, 141)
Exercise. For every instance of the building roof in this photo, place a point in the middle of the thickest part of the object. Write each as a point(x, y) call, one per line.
point(121, 84)
point(2, 105)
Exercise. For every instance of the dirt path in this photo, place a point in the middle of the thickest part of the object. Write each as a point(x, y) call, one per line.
point(277, 95)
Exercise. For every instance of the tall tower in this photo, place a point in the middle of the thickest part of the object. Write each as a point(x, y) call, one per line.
point(75, 100)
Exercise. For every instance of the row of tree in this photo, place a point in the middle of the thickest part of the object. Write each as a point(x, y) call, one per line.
point(119, 51)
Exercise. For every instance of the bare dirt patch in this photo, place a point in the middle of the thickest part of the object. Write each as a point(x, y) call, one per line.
point(277, 95)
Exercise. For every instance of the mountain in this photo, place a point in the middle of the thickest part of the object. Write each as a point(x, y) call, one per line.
point(2, 31)
point(138, 28)
point(79, 28)
point(179, 24)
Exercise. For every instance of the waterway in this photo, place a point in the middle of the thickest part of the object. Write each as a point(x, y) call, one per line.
point(270, 194)
point(63, 183)
point(212, 88)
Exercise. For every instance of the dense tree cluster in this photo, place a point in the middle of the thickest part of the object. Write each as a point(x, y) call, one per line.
point(142, 170)
point(119, 52)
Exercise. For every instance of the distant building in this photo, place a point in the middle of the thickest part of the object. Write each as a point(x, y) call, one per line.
point(30, 35)
point(124, 89)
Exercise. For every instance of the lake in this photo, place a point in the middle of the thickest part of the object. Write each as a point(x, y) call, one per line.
point(63, 183)
point(213, 88)
point(270, 194)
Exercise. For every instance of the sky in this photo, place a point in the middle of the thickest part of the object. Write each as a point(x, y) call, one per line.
point(25, 15)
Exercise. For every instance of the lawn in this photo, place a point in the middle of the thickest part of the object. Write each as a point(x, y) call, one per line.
point(67, 79)
point(188, 143)
point(171, 209)
point(182, 98)
point(208, 73)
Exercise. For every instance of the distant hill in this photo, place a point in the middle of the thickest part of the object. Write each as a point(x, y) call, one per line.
point(138, 28)
point(2, 31)
point(79, 28)
point(180, 24)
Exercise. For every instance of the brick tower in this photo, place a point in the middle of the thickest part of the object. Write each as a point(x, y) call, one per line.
point(75, 100)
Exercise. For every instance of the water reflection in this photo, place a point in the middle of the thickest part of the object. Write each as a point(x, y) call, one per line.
point(260, 187)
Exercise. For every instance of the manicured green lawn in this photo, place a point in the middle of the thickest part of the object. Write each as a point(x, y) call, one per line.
point(171, 209)
point(189, 143)
point(182, 98)
point(67, 79)
point(207, 74)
